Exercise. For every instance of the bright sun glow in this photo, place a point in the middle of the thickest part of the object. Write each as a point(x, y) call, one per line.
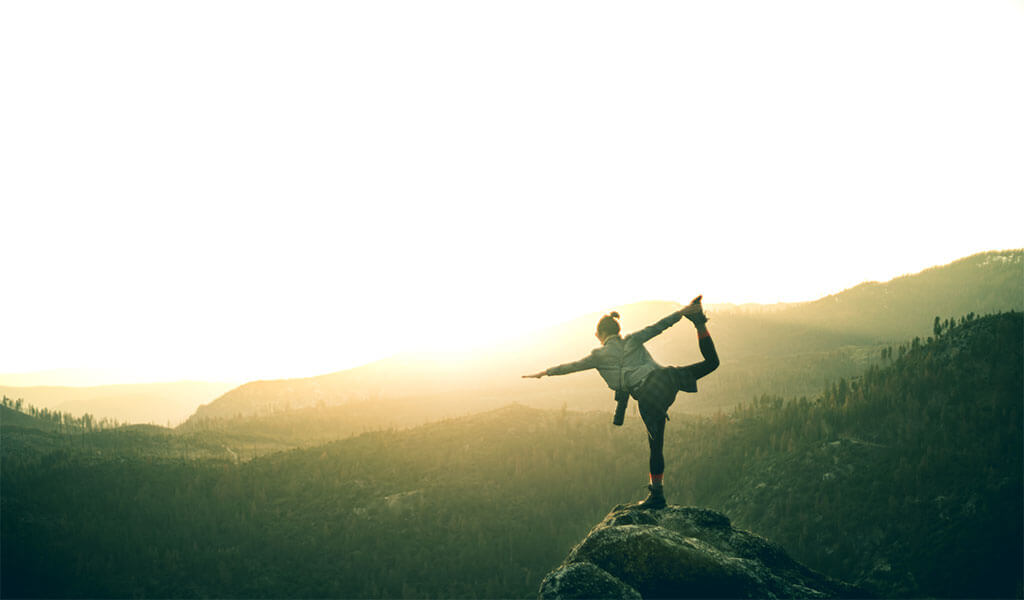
point(238, 190)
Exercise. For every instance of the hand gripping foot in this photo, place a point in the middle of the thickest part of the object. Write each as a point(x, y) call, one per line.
point(695, 312)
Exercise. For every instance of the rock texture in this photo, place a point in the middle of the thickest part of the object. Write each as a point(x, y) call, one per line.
point(681, 552)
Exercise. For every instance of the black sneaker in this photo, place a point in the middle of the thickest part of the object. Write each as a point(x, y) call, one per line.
point(655, 498)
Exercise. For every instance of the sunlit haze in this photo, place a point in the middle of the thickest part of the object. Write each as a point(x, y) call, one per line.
point(241, 190)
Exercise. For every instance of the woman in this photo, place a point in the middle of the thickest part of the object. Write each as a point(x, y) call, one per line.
point(627, 367)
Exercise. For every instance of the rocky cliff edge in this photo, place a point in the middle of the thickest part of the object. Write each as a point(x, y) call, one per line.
point(682, 552)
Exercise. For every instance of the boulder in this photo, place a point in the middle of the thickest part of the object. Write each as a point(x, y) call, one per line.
point(682, 552)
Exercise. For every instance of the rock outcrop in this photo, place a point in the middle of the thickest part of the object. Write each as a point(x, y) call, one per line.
point(681, 552)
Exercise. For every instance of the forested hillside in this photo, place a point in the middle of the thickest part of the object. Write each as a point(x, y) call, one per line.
point(906, 479)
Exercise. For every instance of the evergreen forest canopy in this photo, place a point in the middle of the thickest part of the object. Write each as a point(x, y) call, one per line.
point(905, 479)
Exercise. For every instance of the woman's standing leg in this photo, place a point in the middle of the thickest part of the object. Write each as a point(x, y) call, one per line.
point(654, 420)
point(661, 393)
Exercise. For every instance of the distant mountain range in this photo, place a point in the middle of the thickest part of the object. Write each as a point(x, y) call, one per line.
point(789, 349)
point(159, 403)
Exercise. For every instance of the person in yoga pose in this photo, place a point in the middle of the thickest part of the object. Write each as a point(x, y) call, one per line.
point(627, 367)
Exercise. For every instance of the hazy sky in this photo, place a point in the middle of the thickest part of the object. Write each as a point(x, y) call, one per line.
point(233, 190)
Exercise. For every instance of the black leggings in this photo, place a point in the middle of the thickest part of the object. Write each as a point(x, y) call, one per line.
point(657, 395)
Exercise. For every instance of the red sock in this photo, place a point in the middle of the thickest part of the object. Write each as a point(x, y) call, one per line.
point(656, 479)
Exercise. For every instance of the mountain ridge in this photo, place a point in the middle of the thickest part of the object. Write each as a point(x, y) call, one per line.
point(835, 336)
point(158, 402)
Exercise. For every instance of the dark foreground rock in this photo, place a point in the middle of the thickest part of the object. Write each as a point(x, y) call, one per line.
point(680, 552)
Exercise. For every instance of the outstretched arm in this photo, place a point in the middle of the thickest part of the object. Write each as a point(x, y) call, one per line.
point(564, 369)
point(652, 330)
point(688, 311)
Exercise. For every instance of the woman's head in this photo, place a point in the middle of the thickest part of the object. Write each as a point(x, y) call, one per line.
point(608, 325)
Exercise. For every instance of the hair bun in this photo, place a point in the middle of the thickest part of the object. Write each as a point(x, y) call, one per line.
point(614, 315)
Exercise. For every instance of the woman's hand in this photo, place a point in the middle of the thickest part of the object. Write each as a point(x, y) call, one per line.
point(535, 375)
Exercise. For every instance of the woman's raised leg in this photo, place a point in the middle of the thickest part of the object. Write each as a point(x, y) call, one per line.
point(707, 350)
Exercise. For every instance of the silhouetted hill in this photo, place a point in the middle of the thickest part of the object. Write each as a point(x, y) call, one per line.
point(789, 350)
point(28, 432)
point(13, 418)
